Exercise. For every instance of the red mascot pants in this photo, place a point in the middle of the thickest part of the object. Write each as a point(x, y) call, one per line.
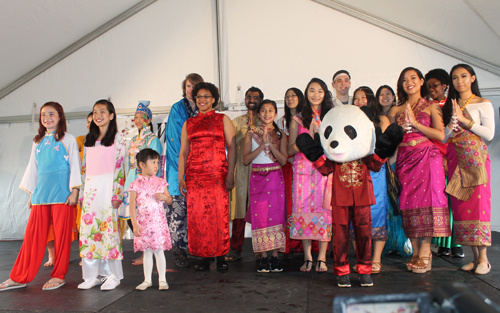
point(362, 226)
point(35, 240)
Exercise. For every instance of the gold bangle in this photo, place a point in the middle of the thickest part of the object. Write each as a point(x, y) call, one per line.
point(469, 126)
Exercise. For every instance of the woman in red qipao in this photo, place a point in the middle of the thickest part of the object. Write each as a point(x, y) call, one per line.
point(202, 159)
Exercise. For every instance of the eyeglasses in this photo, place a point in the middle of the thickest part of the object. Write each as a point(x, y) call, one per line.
point(290, 96)
point(254, 98)
point(434, 86)
point(201, 97)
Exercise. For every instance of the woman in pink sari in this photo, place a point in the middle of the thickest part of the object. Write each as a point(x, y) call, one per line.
point(470, 120)
point(311, 211)
point(419, 167)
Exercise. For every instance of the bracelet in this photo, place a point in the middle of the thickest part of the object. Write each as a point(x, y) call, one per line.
point(417, 124)
point(469, 126)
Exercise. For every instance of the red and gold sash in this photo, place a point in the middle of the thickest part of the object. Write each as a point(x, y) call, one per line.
point(257, 134)
point(472, 154)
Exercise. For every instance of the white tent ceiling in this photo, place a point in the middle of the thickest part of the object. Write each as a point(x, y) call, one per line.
point(33, 31)
point(467, 27)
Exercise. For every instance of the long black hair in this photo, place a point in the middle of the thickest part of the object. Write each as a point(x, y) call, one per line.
point(454, 94)
point(276, 129)
point(326, 105)
point(298, 109)
point(371, 103)
point(379, 107)
point(402, 95)
point(94, 132)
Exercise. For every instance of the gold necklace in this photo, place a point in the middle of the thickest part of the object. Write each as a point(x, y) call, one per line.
point(466, 103)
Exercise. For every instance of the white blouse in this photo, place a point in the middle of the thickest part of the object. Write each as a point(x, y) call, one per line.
point(483, 115)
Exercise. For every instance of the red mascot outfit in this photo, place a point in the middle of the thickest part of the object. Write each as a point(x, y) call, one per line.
point(347, 140)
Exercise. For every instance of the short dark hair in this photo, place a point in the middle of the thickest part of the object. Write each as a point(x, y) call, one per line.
point(439, 74)
point(214, 91)
point(146, 154)
point(255, 89)
point(340, 72)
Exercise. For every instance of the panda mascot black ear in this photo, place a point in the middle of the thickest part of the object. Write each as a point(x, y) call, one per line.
point(368, 112)
point(323, 114)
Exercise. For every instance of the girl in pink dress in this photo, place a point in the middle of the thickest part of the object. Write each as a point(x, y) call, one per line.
point(312, 210)
point(148, 218)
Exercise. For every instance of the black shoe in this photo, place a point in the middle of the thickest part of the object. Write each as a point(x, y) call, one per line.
point(343, 281)
point(365, 280)
point(443, 251)
point(275, 265)
point(203, 266)
point(263, 266)
point(181, 258)
point(457, 252)
point(222, 264)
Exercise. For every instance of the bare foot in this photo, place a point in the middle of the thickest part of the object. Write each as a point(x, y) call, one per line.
point(9, 282)
point(49, 263)
point(53, 282)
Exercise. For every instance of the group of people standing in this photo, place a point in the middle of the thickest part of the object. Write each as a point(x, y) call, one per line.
point(250, 170)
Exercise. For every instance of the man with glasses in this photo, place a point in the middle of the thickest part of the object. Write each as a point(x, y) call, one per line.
point(239, 194)
point(341, 82)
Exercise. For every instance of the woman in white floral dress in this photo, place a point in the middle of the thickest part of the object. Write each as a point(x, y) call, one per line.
point(103, 180)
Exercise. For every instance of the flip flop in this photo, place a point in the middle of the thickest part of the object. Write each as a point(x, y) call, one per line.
point(9, 287)
point(59, 285)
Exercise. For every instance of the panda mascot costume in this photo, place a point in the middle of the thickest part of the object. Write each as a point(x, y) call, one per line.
point(349, 146)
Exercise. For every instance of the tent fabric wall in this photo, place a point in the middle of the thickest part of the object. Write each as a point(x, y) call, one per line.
point(270, 44)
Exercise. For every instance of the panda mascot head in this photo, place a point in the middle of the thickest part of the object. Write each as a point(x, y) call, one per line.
point(347, 133)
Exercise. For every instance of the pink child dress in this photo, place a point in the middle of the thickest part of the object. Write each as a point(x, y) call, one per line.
point(151, 215)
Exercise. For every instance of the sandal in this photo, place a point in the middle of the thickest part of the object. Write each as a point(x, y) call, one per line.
point(233, 255)
point(481, 270)
point(376, 267)
point(319, 268)
point(421, 267)
point(11, 286)
point(307, 266)
point(58, 284)
point(412, 262)
point(468, 267)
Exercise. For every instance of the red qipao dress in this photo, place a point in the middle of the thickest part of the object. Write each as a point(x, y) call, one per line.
point(207, 197)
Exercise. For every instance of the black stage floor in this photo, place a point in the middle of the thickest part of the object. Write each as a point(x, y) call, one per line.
point(241, 289)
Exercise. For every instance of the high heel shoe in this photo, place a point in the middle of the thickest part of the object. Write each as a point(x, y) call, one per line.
point(412, 262)
point(420, 267)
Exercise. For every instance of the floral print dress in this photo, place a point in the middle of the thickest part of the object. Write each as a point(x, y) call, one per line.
point(103, 179)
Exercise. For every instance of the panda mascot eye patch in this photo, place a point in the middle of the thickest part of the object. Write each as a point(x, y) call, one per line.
point(348, 134)
point(350, 131)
